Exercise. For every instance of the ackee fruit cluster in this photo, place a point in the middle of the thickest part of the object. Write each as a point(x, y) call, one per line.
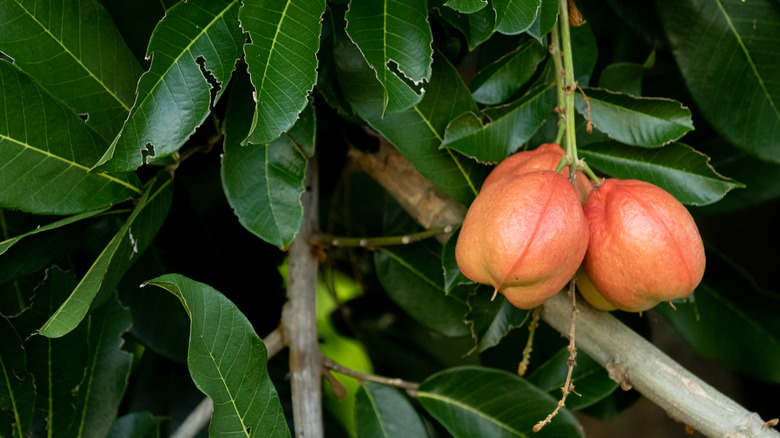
point(528, 231)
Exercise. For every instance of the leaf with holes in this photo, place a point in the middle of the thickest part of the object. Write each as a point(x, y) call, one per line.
point(263, 182)
point(727, 52)
point(282, 59)
point(515, 16)
point(63, 47)
point(46, 152)
point(383, 412)
point(193, 51)
point(486, 402)
point(396, 40)
point(639, 121)
point(121, 252)
point(677, 168)
point(227, 361)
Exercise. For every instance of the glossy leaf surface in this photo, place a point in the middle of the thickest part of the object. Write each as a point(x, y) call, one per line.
point(515, 16)
point(383, 412)
point(499, 80)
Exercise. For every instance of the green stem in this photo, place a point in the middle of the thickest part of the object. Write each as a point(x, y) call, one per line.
point(583, 166)
point(555, 52)
point(568, 88)
point(374, 242)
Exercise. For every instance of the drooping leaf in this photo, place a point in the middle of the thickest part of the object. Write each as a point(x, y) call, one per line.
point(505, 320)
point(477, 27)
point(545, 19)
point(515, 16)
point(64, 48)
point(126, 246)
point(411, 276)
point(510, 126)
point(17, 390)
point(638, 121)
point(282, 59)
point(452, 275)
point(46, 152)
point(396, 40)
point(677, 168)
point(466, 6)
point(726, 51)
point(477, 401)
point(383, 412)
point(423, 125)
point(501, 79)
point(591, 381)
point(136, 425)
point(750, 342)
point(193, 49)
point(7, 244)
point(227, 362)
point(624, 77)
point(263, 182)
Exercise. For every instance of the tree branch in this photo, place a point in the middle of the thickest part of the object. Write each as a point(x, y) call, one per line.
point(630, 359)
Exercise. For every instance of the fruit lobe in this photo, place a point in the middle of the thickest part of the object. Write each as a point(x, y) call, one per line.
point(644, 246)
point(525, 235)
point(545, 157)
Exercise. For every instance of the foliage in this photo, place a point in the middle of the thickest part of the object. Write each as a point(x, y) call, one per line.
point(166, 143)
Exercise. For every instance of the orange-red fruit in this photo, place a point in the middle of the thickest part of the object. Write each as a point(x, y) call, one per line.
point(525, 235)
point(644, 245)
point(545, 157)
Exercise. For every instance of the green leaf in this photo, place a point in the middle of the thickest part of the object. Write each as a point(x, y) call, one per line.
point(383, 412)
point(282, 59)
point(515, 16)
point(591, 381)
point(750, 341)
point(8, 243)
point(477, 27)
point(75, 53)
point(227, 362)
point(417, 132)
point(411, 276)
point(502, 78)
point(510, 126)
point(466, 6)
point(638, 121)
point(46, 152)
point(452, 275)
point(485, 402)
point(585, 52)
point(17, 391)
point(505, 320)
point(545, 19)
point(624, 77)
point(136, 425)
point(726, 51)
point(263, 182)
point(126, 246)
point(193, 51)
point(396, 40)
point(136, 21)
point(677, 168)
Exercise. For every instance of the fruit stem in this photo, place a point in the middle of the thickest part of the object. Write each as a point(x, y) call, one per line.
point(583, 166)
point(568, 89)
point(374, 242)
point(529, 346)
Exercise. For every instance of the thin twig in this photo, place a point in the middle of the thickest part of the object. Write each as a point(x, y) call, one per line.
point(529, 346)
point(375, 242)
point(410, 387)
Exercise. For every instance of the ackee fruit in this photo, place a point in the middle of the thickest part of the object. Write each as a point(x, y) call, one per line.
point(644, 246)
point(525, 234)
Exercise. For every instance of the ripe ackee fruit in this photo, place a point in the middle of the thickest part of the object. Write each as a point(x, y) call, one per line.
point(545, 157)
point(525, 234)
point(644, 246)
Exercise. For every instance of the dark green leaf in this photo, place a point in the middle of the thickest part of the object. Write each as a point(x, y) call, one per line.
point(126, 246)
point(395, 39)
point(677, 168)
point(383, 412)
point(591, 381)
point(193, 49)
point(452, 275)
point(65, 48)
point(505, 320)
point(7, 244)
point(545, 19)
point(486, 402)
point(282, 59)
point(227, 362)
point(17, 391)
point(466, 6)
point(624, 77)
point(510, 126)
point(412, 277)
point(263, 182)
point(136, 21)
point(46, 152)
point(515, 16)
point(501, 79)
point(477, 27)
point(750, 341)
point(727, 53)
point(638, 121)
point(136, 425)
point(585, 52)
